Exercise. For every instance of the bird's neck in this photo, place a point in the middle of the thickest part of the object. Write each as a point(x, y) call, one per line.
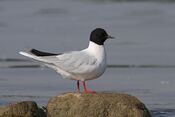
point(96, 50)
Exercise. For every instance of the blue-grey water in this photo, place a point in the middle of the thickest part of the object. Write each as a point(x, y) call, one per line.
point(143, 55)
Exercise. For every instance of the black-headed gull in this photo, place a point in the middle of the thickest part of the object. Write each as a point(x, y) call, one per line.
point(87, 64)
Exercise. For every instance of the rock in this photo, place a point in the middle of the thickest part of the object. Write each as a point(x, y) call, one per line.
point(96, 105)
point(22, 109)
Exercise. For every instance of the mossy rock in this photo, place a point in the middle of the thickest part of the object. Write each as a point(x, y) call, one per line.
point(22, 109)
point(96, 105)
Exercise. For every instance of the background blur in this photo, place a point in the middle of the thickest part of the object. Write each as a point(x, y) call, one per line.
point(141, 60)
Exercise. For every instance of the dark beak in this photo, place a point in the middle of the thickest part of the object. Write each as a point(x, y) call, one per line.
point(110, 37)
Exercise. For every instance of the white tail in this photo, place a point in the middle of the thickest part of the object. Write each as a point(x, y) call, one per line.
point(31, 56)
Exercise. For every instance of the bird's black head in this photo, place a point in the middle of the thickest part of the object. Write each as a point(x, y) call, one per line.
point(99, 36)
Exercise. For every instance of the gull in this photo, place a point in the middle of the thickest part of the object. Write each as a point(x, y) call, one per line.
point(83, 65)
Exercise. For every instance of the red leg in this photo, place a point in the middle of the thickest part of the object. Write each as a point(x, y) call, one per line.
point(85, 90)
point(78, 86)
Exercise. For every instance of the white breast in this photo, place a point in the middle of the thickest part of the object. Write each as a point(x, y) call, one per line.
point(98, 51)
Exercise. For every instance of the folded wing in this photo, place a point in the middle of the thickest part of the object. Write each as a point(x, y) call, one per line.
point(74, 62)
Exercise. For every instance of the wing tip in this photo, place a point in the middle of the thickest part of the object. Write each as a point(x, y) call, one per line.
point(33, 50)
point(41, 53)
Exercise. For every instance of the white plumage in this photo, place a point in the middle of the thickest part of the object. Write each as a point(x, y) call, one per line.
point(83, 65)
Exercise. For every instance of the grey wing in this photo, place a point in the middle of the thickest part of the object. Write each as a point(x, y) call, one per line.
point(74, 62)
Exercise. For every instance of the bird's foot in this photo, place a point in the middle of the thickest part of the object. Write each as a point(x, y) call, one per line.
point(88, 91)
point(78, 91)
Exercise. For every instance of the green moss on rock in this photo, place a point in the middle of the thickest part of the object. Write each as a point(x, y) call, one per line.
point(96, 105)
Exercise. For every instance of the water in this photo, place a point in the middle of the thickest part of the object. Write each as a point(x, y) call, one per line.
point(142, 57)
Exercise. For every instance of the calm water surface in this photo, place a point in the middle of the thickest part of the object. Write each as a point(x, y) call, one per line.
point(145, 34)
